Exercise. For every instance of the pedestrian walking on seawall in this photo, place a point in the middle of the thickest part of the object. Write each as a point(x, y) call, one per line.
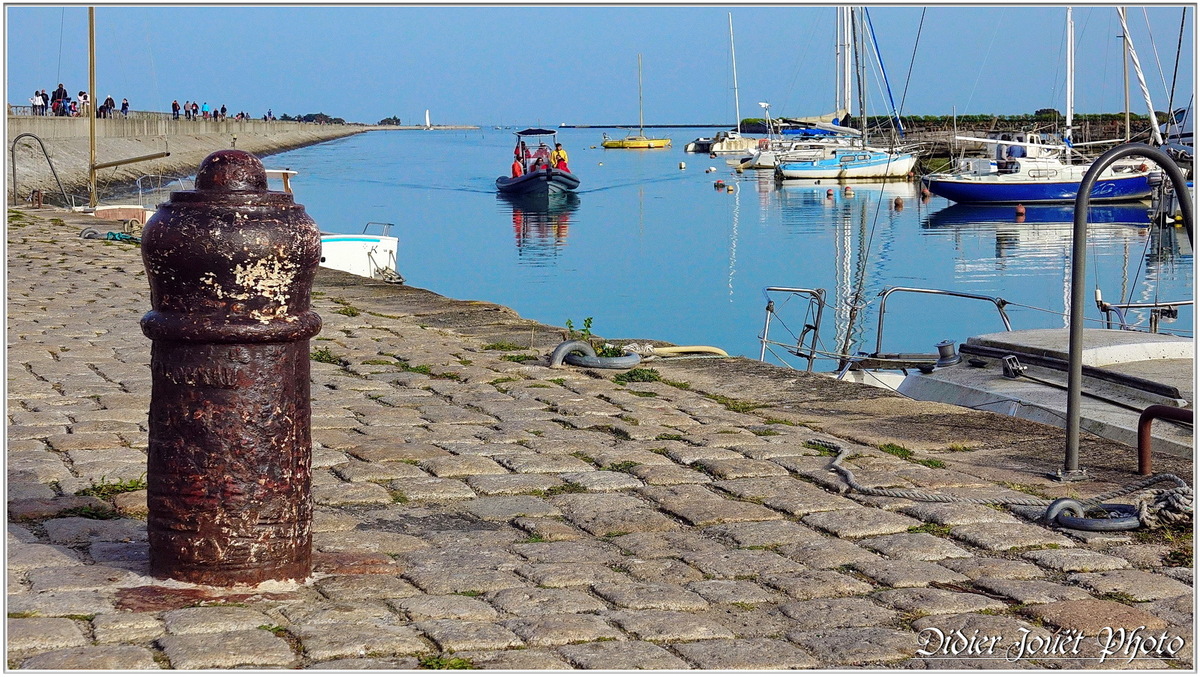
point(124, 108)
point(175, 109)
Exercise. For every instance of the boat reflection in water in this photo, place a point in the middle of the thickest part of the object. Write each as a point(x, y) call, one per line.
point(1045, 223)
point(540, 223)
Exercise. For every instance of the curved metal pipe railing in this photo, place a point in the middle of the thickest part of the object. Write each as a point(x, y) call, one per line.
point(13, 154)
point(1149, 414)
point(1070, 469)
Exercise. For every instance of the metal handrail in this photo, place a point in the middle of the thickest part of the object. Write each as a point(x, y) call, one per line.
point(13, 155)
point(883, 296)
point(1156, 312)
point(387, 227)
point(815, 295)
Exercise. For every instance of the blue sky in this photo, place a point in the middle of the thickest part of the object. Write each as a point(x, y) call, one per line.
point(547, 65)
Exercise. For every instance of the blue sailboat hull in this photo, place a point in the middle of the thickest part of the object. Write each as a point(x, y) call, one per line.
point(1116, 189)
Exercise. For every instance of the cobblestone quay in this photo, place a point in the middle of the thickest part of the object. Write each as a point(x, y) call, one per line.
point(475, 508)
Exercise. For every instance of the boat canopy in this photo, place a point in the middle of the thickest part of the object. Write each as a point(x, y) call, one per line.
point(535, 131)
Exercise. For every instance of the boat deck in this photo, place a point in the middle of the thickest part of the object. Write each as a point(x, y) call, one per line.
point(1124, 372)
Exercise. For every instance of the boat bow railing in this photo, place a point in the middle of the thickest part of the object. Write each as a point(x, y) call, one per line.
point(883, 297)
point(810, 331)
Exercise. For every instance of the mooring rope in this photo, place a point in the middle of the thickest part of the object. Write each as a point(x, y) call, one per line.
point(1155, 508)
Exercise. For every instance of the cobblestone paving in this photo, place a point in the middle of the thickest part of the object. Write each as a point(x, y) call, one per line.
point(476, 508)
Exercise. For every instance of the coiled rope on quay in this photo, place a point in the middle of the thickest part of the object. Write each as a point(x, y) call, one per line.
point(1160, 507)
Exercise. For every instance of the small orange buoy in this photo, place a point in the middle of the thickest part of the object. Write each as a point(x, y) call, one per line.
point(1021, 212)
point(898, 203)
point(829, 193)
point(924, 192)
point(848, 191)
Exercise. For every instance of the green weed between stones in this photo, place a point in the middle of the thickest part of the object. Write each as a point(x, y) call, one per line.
point(738, 406)
point(90, 512)
point(820, 448)
point(519, 358)
point(929, 528)
point(565, 488)
point(638, 375)
point(907, 454)
point(106, 490)
point(435, 662)
point(504, 346)
point(324, 355)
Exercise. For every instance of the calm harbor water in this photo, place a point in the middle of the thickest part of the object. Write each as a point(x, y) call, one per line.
point(649, 250)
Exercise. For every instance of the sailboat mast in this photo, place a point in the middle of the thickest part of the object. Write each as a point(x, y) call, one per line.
point(1155, 136)
point(641, 124)
point(737, 107)
point(1125, 75)
point(1070, 77)
point(859, 69)
point(91, 109)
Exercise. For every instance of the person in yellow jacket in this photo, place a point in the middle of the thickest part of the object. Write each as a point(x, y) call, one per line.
point(559, 158)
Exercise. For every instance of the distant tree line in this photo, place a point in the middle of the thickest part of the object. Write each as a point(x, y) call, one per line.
point(319, 118)
point(391, 121)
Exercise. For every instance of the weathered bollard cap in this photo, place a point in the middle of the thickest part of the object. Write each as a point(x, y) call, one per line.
point(231, 170)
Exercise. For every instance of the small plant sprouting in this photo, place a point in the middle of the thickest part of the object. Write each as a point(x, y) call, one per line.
point(638, 375)
point(503, 345)
point(106, 490)
point(433, 662)
point(324, 355)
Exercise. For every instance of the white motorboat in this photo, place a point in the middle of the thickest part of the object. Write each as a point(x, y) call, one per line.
point(367, 254)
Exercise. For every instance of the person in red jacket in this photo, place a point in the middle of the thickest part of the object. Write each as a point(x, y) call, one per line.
point(517, 168)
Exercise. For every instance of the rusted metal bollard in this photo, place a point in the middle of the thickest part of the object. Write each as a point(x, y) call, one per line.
point(230, 267)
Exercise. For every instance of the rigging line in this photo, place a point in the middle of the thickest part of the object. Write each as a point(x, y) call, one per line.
point(883, 71)
point(913, 60)
point(150, 53)
point(1154, 50)
point(61, 28)
point(986, 55)
point(1175, 75)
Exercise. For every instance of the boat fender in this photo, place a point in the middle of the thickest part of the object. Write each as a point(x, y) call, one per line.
point(565, 352)
point(1069, 513)
point(90, 234)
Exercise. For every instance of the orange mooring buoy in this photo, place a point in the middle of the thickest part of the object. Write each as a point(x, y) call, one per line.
point(898, 203)
point(1020, 210)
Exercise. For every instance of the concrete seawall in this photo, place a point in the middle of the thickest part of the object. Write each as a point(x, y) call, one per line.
point(66, 141)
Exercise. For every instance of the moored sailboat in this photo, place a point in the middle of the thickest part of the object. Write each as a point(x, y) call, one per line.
point(1017, 176)
point(639, 140)
point(844, 153)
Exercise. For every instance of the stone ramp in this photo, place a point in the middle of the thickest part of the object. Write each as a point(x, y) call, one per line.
point(476, 508)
